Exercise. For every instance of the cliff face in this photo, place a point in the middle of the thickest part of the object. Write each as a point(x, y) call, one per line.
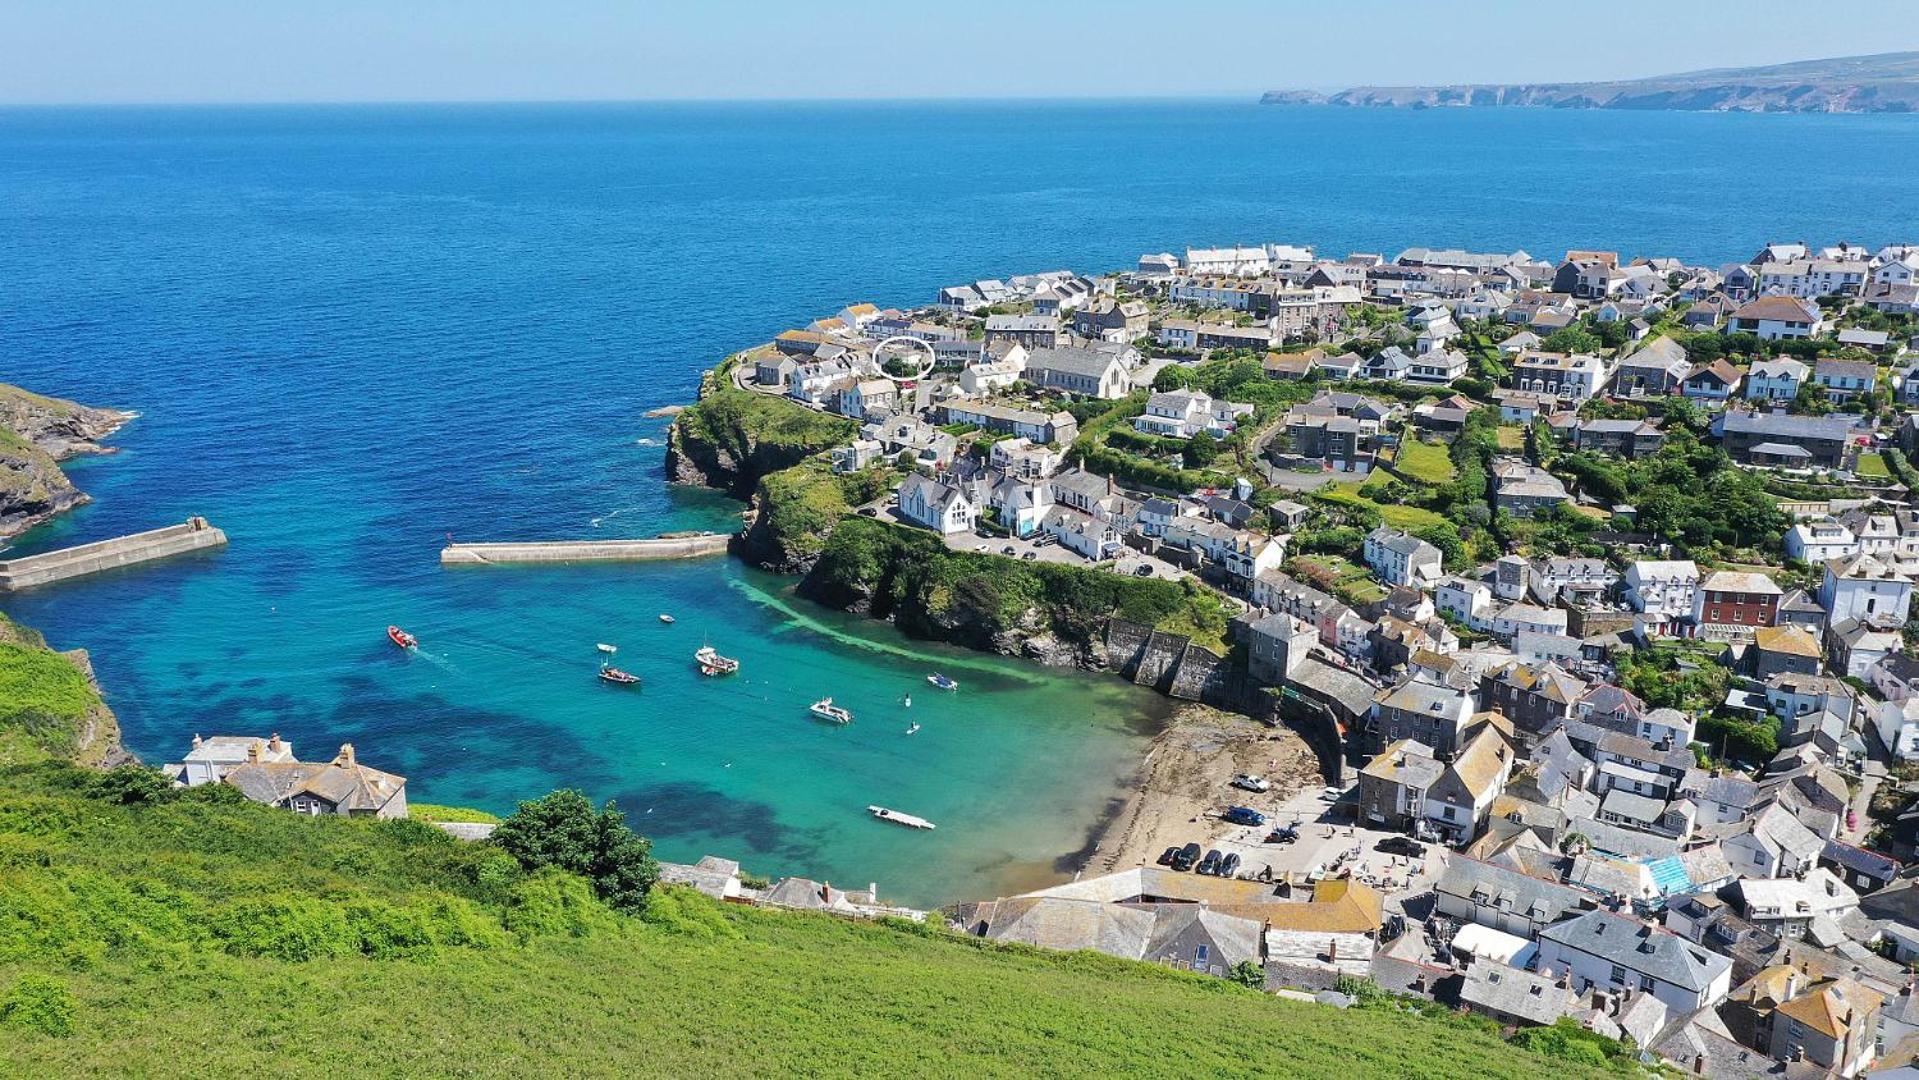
point(1855, 84)
point(36, 434)
point(733, 438)
point(51, 706)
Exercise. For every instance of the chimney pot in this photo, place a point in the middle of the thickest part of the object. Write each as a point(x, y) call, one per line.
point(346, 754)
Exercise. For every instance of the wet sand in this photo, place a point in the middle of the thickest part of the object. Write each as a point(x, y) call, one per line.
point(1186, 776)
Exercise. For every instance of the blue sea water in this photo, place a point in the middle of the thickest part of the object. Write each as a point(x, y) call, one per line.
point(352, 331)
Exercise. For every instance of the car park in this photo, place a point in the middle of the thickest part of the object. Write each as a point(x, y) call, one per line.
point(1244, 815)
point(1252, 782)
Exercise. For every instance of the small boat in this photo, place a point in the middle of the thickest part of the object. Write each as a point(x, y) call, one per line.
point(667, 619)
point(609, 673)
point(912, 729)
point(712, 663)
point(826, 710)
point(942, 681)
point(908, 703)
point(401, 638)
point(897, 818)
point(605, 648)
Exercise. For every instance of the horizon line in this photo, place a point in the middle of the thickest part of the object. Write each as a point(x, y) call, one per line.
point(1251, 97)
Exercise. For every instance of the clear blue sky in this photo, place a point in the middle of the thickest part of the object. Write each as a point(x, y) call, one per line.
point(54, 51)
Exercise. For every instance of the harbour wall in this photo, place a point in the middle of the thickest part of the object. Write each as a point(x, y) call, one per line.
point(194, 534)
point(566, 551)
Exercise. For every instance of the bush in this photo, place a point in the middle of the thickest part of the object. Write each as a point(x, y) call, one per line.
point(685, 911)
point(132, 785)
point(553, 903)
point(562, 830)
point(286, 927)
point(39, 1003)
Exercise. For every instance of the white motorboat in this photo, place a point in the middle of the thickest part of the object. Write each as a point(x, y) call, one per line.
point(605, 648)
point(942, 681)
point(712, 663)
point(826, 710)
point(896, 817)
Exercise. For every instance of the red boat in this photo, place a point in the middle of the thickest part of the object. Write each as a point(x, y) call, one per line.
point(401, 638)
point(614, 675)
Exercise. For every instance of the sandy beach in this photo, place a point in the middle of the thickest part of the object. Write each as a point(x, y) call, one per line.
point(1185, 778)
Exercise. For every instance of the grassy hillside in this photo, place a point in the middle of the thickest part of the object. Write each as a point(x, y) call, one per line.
point(48, 707)
point(136, 938)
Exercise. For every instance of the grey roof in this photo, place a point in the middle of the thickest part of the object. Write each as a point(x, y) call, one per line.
point(1512, 992)
point(1088, 362)
point(1632, 806)
point(1508, 890)
point(1780, 425)
point(1060, 923)
point(1349, 690)
point(1635, 946)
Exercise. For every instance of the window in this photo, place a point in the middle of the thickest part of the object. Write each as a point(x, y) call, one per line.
point(1200, 956)
point(1618, 974)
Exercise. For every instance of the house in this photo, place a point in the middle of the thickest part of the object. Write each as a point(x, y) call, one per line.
point(1182, 414)
point(1522, 490)
point(1088, 372)
point(1782, 440)
point(1276, 644)
point(1831, 1024)
point(1575, 378)
point(1630, 439)
point(1113, 320)
point(1058, 427)
point(1019, 504)
point(1458, 802)
point(997, 373)
point(913, 441)
point(1844, 380)
point(1664, 590)
point(1864, 588)
point(1399, 558)
point(341, 786)
point(1293, 366)
point(211, 759)
point(869, 398)
point(1786, 907)
point(1784, 649)
point(1820, 540)
point(1535, 699)
point(1431, 715)
point(1604, 950)
point(1777, 380)
point(1775, 318)
point(1028, 331)
point(773, 370)
point(1655, 369)
point(1775, 844)
point(1465, 599)
point(858, 455)
point(939, 504)
point(1716, 381)
point(1504, 899)
point(1087, 535)
point(1438, 366)
point(1854, 646)
point(1514, 997)
point(1731, 605)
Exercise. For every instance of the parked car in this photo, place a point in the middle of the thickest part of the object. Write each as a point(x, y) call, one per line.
point(1007, 550)
point(1030, 556)
point(1402, 845)
point(982, 547)
point(1166, 857)
point(1210, 864)
point(1283, 835)
point(1229, 866)
point(1252, 782)
point(1244, 815)
point(1186, 857)
point(1144, 570)
point(868, 511)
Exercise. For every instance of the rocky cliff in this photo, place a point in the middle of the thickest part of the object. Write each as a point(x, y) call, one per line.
point(1887, 82)
point(36, 434)
point(733, 438)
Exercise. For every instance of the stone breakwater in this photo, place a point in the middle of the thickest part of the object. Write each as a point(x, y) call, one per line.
point(568, 551)
point(194, 534)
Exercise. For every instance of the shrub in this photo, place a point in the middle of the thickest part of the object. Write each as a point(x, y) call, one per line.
point(133, 785)
point(286, 927)
point(553, 903)
point(39, 1003)
point(686, 911)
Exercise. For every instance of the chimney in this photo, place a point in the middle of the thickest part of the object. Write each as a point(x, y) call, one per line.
point(1699, 1065)
point(196, 740)
point(253, 750)
point(274, 744)
point(346, 755)
point(1332, 951)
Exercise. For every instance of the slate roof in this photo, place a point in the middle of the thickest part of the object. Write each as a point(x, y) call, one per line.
point(1506, 889)
point(1630, 944)
point(1511, 992)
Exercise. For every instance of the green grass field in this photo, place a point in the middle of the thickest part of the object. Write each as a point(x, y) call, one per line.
point(1426, 462)
point(201, 938)
point(1399, 517)
point(1511, 437)
point(1873, 467)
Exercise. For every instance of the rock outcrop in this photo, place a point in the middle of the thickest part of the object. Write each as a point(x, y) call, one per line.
point(36, 434)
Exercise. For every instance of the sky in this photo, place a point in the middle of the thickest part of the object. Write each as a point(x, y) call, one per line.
point(175, 51)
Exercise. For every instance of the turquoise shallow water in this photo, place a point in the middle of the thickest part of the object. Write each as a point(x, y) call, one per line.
point(353, 331)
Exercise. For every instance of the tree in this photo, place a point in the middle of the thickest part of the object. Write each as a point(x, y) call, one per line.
point(1201, 450)
point(562, 830)
point(1571, 339)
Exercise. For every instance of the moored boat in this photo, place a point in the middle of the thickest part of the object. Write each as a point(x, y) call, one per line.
point(911, 821)
point(401, 638)
point(665, 618)
point(605, 648)
point(942, 681)
point(826, 710)
point(712, 663)
point(611, 674)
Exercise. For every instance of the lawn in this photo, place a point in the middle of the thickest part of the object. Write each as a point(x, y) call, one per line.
point(1429, 463)
point(1397, 516)
point(1511, 437)
point(1347, 580)
point(1873, 467)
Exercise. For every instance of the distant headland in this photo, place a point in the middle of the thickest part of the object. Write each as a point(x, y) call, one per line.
point(1886, 82)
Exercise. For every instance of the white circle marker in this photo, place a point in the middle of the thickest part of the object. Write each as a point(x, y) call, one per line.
point(912, 344)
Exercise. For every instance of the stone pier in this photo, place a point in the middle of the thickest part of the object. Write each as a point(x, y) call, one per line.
point(192, 535)
point(693, 546)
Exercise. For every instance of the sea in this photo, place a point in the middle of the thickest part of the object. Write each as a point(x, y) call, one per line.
point(352, 332)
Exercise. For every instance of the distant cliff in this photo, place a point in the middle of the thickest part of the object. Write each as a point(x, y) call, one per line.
point(36, 434)
point(733, 438)
point(1888, 82)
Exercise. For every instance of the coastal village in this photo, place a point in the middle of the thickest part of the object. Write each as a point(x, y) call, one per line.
point(1588, 577)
